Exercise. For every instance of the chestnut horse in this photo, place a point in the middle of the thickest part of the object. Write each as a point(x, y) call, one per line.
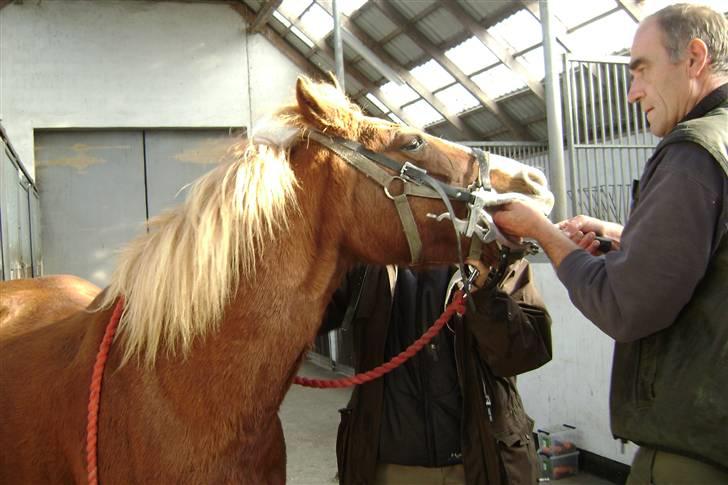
point(223, 296)
point(44, 300)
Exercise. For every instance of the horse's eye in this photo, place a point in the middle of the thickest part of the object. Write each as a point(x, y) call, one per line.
point(414, 144)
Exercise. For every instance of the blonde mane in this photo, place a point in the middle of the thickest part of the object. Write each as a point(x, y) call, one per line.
point(177, 279)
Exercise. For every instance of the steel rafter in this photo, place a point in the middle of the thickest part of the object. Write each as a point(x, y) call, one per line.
point(465, 131)
point(503, 52)
point(432, 50)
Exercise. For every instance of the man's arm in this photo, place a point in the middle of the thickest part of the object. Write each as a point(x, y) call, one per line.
point(666, 247)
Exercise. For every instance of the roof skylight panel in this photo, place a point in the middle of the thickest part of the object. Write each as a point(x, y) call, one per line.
point(317, 22)
point(422, 112)
point(457, 98)
point(432, 75)
point(376, 102)
point(396, 119)
point(573, 13)
point(306, 40)
point(533, 60)
point(520, 30)
point(652, 6)
point(472, 55)
point(498, 80)
point(281, 18)
point(401, 94)
point(292, 9)
point(604, 36)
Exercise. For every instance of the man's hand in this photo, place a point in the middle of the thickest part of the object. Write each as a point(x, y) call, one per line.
point(583, 230)
point(521, 219)
point(524, 219)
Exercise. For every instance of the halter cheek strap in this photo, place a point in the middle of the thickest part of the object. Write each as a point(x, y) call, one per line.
point(416, 182)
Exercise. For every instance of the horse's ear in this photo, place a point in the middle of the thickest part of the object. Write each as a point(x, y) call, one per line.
point(326, 108)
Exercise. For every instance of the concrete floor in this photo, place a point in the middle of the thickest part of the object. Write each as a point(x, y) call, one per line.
point(310, 419)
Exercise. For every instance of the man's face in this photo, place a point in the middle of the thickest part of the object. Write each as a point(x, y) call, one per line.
point(660, 86)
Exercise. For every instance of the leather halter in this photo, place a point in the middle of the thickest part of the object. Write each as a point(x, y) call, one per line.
point(415, 180)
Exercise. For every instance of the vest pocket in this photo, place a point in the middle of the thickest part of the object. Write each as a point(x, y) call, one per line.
point(517, 455)
point(647, 370)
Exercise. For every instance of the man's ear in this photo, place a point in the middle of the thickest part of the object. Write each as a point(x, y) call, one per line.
point(698, 57)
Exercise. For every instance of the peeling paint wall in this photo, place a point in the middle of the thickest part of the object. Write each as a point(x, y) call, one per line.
point(132, 64)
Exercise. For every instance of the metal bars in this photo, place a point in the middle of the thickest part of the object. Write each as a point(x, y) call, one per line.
point(608, 139)
point(534, 154)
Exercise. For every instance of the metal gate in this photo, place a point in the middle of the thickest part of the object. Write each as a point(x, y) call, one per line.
point(608, 140)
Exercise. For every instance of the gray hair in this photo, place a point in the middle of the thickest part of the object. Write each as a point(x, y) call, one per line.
point(683, 22)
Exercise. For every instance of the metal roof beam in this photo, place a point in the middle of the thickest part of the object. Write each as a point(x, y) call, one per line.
point(264, 13)
point(501, 51)
point(313, 69)
point(424, 43)
point(533, 7)
point(509, 9)
point(632, 8)
point(465, 131)
point(279, 42)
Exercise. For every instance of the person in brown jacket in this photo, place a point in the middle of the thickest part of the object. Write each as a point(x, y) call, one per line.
point(452, 413)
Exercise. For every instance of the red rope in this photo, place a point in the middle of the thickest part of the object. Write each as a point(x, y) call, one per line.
point(92, 428)
point(457, 305)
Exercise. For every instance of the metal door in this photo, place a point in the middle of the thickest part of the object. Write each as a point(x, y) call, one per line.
point(176, 158)
point(92, 197)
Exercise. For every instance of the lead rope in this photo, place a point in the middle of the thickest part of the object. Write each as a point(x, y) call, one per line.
point(94, 401)
point(457, 306)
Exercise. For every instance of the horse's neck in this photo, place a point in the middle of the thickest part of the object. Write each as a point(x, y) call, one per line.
point(240, 373)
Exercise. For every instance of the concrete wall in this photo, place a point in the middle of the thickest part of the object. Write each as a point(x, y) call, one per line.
point(574, 387)
point(117, 64)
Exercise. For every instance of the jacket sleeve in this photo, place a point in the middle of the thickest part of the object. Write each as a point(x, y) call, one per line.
point(341, 299)
point(511, 326)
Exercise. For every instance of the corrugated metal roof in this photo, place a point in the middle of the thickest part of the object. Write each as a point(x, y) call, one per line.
point(505, 19)
point(440, 26)
point(375, 23)
point(413, 9)
point(483, 121)
point(403, 49)
point(479, 9)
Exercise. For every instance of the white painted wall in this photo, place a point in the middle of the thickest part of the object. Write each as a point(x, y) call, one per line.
point(129, 63)
point(574, 387)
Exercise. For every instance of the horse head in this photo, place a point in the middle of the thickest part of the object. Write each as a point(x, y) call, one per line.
point(376, 198)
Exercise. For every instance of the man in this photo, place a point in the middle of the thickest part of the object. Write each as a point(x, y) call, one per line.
point(451, 414)
point(663, 293)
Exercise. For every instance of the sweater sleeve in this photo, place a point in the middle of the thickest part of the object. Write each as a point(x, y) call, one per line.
point(666, 247)
point(511, 326)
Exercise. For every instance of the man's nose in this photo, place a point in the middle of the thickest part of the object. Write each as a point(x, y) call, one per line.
point(635, 92)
